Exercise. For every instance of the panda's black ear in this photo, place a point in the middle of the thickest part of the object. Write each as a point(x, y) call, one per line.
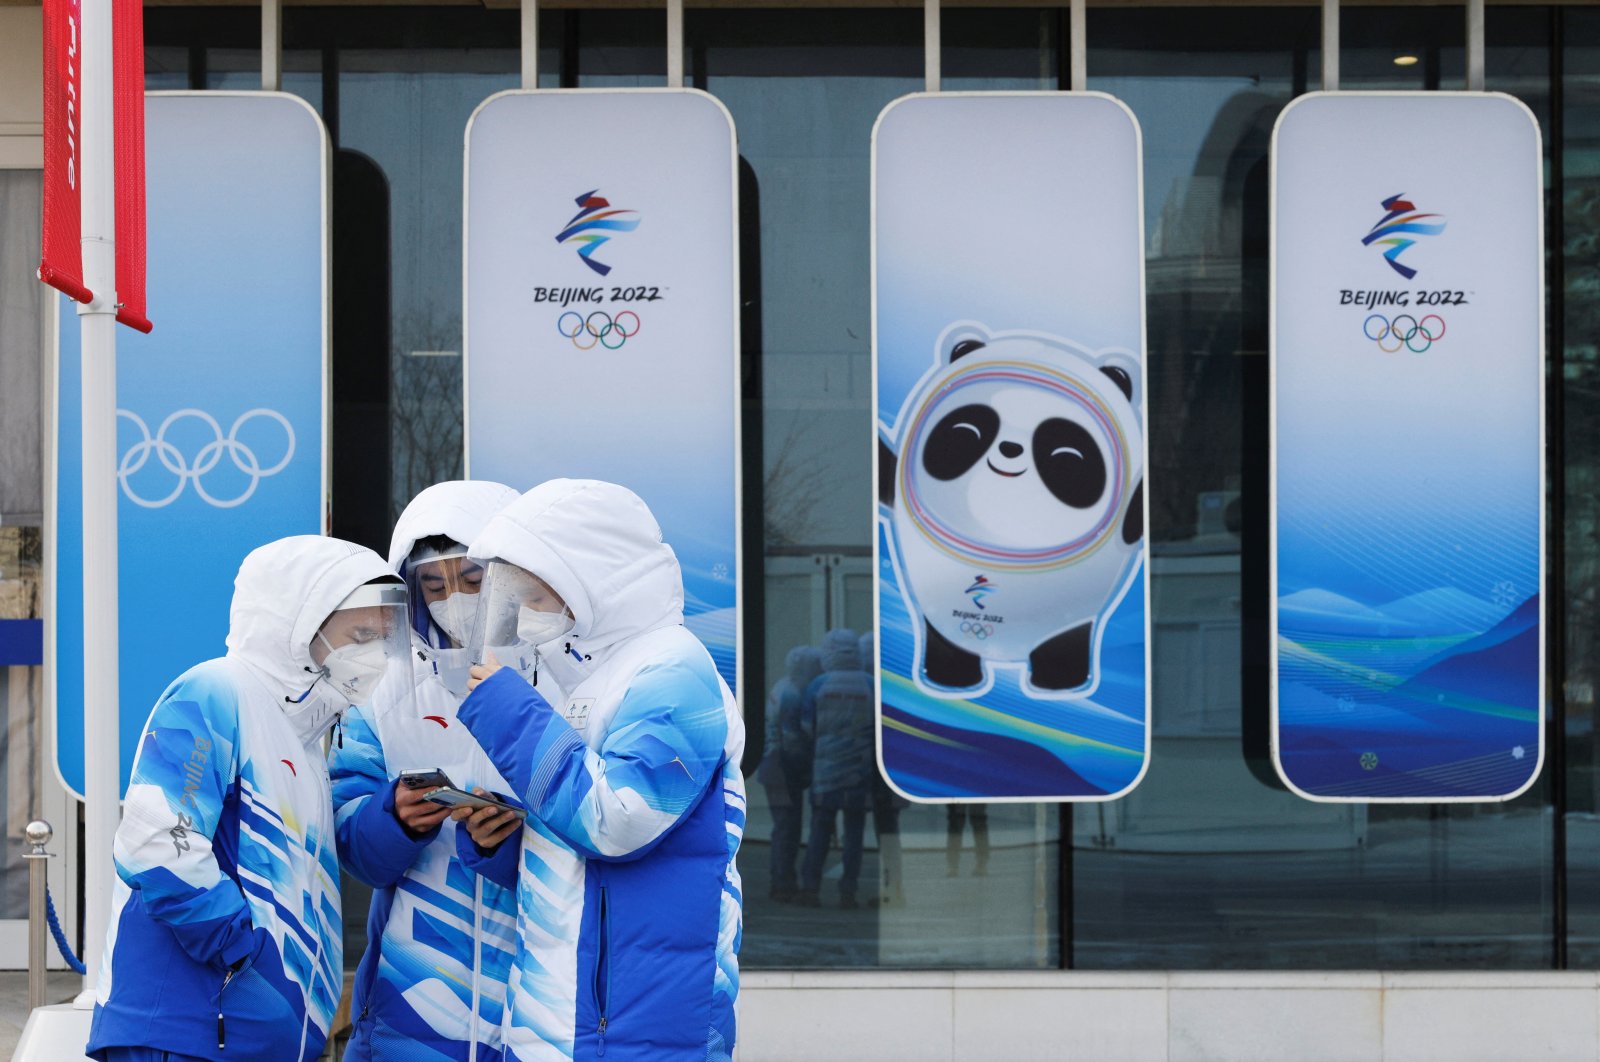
point(965, 347)
point(1120, 377)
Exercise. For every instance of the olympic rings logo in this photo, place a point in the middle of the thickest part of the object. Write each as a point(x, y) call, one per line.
point(977, 630)
point(1404, 331)
point(205, 460)
point(611, 334)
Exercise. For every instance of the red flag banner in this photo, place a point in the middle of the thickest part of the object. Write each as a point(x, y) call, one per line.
point(61, 260)
point(128, 29)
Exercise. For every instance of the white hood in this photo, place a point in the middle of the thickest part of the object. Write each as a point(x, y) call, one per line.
point(458, 508)
point(597, 546)
point(283, 593)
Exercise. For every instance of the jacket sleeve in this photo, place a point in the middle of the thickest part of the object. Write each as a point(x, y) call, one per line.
point(373, 845)
point(173, 811)
point(662, 750)
point(497, 864)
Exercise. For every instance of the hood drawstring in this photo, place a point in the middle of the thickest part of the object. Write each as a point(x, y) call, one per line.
point(301, 699)
point(338, 728)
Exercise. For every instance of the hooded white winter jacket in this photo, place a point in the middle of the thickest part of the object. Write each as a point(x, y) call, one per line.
point(225, 938)
point(629, 905)
point(430, 985)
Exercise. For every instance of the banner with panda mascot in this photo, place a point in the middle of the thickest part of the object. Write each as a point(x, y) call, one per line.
point(1013, 613)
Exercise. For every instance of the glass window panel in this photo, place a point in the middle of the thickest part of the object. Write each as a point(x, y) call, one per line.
point(23, 305)
point(804, 90)
point(1210, 863)
point(1578, 276)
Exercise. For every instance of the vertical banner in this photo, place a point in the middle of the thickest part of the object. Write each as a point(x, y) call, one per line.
point(601, 312)
point(1008, 344)
point(221, 425)
point(1408, 420)
point(61, 257)
point(128, 93)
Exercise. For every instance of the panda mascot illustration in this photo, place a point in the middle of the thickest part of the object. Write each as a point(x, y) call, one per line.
point(1013, 480)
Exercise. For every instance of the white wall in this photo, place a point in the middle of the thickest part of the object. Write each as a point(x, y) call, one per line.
point(1170, 1017)
point(21, 87)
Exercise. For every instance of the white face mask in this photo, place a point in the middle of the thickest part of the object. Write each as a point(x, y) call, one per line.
point(454, 615)
point(536, 628)
point(354, 670)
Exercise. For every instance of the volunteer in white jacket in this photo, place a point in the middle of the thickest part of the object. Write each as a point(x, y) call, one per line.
point(431, 984)
point(225, 939)
point(629, 904)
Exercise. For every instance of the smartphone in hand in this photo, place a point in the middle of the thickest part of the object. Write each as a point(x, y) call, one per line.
point(451, 797)
point(425, 778)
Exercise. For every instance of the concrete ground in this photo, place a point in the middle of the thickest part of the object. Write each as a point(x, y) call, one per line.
point(14, 1003)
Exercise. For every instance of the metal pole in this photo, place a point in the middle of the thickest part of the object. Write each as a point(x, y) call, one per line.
point(675, 43)
point(38, 835)
point(1330, 45)
point(930, 43)
point(98, 319)
point(271, 45)
point(1474, 45)
point(1078, 47)
point(530, 44)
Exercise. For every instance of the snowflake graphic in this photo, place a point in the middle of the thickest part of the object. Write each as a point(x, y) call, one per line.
point(1504, 593)
point(1347, 705)
point(1518, 752)
point(719, 572)
point(1369, 761)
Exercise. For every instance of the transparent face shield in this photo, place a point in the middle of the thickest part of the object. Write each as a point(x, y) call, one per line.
point(519, 613)
point(364, 643)
point(446, 584)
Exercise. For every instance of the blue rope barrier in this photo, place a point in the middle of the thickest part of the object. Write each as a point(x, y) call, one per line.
point(61, 938)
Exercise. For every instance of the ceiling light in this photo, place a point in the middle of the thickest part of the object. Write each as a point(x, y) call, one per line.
point(1405, 60)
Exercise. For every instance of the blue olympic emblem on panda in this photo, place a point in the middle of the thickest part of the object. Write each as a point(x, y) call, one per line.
point(1404, 331)
point(599, 327)
point(977, 630)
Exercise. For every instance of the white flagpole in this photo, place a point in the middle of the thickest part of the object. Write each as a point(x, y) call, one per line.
point(102, 780)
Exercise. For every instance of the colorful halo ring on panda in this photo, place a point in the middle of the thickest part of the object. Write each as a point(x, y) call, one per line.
point(1031, 375)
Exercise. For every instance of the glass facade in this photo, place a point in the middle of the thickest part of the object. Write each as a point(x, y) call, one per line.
point(1209, 863)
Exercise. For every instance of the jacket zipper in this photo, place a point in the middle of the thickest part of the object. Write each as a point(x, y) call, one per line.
point(316, 917)
point(602, 969)
point(477, 953)
point(222, 1029)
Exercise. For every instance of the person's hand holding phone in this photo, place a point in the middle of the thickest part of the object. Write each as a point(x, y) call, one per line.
point(414, 811)
point(487, 826)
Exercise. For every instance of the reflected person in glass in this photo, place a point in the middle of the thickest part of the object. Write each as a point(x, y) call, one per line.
point(839, 705)
point(785, 769)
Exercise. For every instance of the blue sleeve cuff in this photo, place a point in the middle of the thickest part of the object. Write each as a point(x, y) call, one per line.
point(498, 865)
point(382, 849)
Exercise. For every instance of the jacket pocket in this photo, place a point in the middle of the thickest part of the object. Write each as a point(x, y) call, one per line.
point(602, 970)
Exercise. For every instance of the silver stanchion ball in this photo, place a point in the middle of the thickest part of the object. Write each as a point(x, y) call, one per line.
point(38, 833)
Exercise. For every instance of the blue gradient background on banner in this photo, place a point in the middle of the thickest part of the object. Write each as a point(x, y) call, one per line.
point(658, 414)
point(1408, 490)
point(987, 211)
point(235, 220)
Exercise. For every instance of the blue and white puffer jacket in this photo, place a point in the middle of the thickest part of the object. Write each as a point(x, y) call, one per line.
point(629, 903)
point(432, 982)
point(225, 937)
